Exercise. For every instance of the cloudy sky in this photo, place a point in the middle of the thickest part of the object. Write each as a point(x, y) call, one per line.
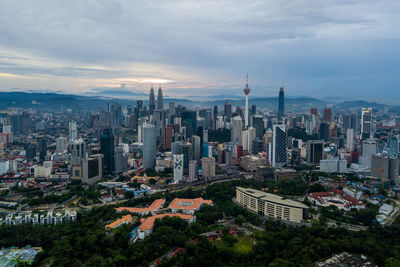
point(195, 48)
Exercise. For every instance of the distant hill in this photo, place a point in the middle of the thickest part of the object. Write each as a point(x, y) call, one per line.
point(58, 102)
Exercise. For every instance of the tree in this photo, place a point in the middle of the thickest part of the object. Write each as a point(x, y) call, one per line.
point(150, 172)
point(240, 219)
point(315, 187)
point(152, 181)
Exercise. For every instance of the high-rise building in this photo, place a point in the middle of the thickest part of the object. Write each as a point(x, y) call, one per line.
point(366, 123)
point(42, 149)
point(268, 143)
point(73, 132)
point(120, 160)
point(178, 167)
point(253, 109)
point(78, 151)
point(369, 148)
point(192, 170)
point(208, 167)
point(393, 145)
point(107, 149)
point(324, 131)
point(350, 139)
point(152, 101)
point(189, 121)
point(158, 120)
point(248, 136)
point(227, 110)
point(30, 152)
point(315, 151)
point(327, 114)
point(167, 136)
point(314, 111)
point(149, 146)
point(246, 109)
point(61, 144)
point(258, 124)
point(196, 145)
point(187, 156)
point(160, 100)
point(92, 169)
point(237, 130)
point(281, 106)
point(116, 115)
point(279, 146)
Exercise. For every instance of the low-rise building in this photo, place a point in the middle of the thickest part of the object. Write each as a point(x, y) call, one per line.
point(127, 219)
point(270, 205)
point(335, 198)
point(156, 205)
point(188, 206)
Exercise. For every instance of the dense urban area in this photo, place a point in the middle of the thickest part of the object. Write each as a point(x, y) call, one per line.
point(155, 183)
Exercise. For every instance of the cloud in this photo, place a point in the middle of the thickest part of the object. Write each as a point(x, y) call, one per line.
point(309, 47)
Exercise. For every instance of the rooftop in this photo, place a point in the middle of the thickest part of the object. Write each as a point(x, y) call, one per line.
point(157, 204)
point(148, 222)
point(188, 204)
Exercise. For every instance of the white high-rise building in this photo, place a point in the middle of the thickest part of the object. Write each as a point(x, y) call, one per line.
point(368, 150)
point(208, 167)
point(178, 167)
point(350, 139)
point(61, 144)
point(366, 122)
point(73, 132)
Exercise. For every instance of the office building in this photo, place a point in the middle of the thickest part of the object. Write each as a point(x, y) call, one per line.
point(192, 170)
point(196, 148)
point(107, 149)
point(160, 99)
point(368, 148)
point(120, 160)
point(281, 105)
point(152, 101)
point(350, 139)
point(61, 144)
point(73, 132)
point(149, 146)
point(279, 146)
point(315, 151)
point(258, 124)
point(208, 167)
point(227, 110)
point(237, 130)
point(190, 123)
point(366, 123)
point(327, 114)
point(333, 165)
point(92, 169)
point(168, 136)
point(270, 205)
point(42, 149)
point(393, 145)
point(178, 167)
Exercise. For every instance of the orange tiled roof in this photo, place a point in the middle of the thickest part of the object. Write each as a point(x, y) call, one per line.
point(148, 222)
point(126, 218)
point(188, 204)
point(157, 204)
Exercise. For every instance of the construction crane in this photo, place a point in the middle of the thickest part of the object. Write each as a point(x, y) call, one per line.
point(383, 175)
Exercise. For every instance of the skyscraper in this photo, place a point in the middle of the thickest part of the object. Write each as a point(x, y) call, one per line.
point(149, 146)
point(246, 111)
point(366, 123)
point(393, 145)
point(107, 149)
point(227, 110)
point(189, 121)
point(160, 100)
point(61, 144)
point(315, 151)
point(42, 149)
point(73, 132)
point(152, 101)
point(258, 124)
point(237, 130)
point(314, 111)
point(279, 145)
point(281, 105)
point(328, 114)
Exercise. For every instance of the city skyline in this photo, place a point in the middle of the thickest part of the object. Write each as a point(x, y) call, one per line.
point(333, 48)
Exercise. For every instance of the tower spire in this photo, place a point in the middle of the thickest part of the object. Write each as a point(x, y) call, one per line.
point(247, 80)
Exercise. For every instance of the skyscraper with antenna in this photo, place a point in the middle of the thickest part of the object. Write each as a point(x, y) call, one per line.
point(152, 101)
point(246, 111)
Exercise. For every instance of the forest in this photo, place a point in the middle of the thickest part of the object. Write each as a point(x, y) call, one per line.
point(86, 243)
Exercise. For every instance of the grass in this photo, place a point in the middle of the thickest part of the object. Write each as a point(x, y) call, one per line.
point(244, 244)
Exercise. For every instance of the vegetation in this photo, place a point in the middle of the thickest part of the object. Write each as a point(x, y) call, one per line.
point(86, 243)
point(300, 133)
point(220, 135)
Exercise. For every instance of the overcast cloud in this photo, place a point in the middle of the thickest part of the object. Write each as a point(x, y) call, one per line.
point(314, 48)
